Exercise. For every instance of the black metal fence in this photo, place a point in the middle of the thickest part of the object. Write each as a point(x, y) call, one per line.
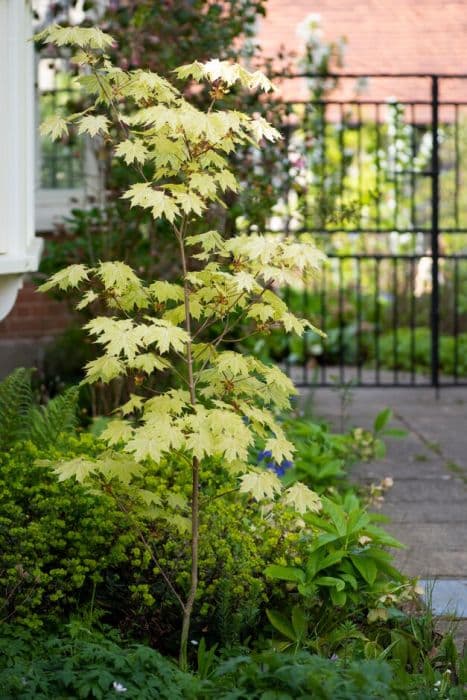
point(377, 172)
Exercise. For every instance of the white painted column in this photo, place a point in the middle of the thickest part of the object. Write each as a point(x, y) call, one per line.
point(19, 248)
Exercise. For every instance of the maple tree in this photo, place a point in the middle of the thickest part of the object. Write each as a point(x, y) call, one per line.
point(221, 403)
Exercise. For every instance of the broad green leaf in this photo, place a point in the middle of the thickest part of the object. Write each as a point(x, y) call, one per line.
point(281, 624)
point(337, 515)
point(299, 622)
point(330, 581)
point(366, 566)
point(382, 419)
point(285, 573)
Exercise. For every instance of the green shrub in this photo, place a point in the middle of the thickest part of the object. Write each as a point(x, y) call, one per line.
point(57, 542)
point(64, 550)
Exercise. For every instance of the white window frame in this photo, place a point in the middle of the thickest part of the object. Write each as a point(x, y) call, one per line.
point(54, 204)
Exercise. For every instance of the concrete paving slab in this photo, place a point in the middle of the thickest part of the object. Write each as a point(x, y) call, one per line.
point(451, 514)
point(442, 538)
point(427, 562)
point(439, 489)
point(446, 596)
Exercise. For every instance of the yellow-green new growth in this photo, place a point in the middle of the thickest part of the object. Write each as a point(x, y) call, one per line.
point(224, 402)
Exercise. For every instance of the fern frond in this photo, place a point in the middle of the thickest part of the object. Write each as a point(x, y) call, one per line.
point(46, 423)
point(16, 400)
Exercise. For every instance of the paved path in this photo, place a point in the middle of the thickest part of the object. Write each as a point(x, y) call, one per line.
point(428, 502)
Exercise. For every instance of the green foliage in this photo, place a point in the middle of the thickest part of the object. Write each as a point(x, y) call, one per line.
point(80, 664)
point(275, 675)
point(15, 404)
point(345, 564)
point(67, 551)
point(322, 458)
point(57, 542)
point(77, 663)
point(405, 352)
point(21, 418)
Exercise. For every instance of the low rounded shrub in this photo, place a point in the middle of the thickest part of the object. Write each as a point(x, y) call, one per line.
point(65, 550)
point(57, 541)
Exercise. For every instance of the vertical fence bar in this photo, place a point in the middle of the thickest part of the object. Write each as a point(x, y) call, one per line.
point(377, 319)
point(378, 166)
point(456, 319)
point(323, 325)
point(412, 320)
point(435, 234)
point(395, 315)
point(359, 322)
point(457, 180)
point(340, 262)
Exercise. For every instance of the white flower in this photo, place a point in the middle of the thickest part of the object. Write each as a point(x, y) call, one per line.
point(194, 642)
point(119, 687)
point(309, 26)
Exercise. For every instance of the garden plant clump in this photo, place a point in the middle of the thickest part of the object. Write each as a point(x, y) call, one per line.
point(203, 520)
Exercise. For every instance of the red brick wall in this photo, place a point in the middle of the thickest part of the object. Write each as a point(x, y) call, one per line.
point(414, 36)
point(34, 316)
point(383, 36)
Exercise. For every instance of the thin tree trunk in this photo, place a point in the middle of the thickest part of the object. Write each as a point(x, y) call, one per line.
point(188, 609)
